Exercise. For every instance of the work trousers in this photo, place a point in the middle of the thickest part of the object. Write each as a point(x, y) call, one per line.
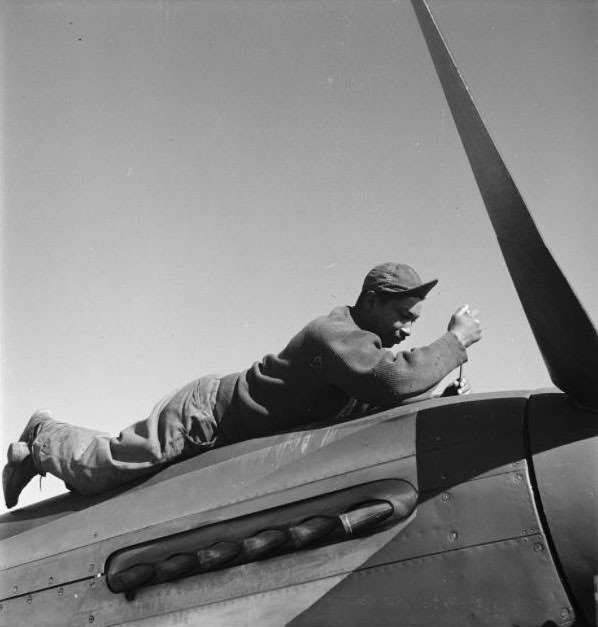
point(181, 425)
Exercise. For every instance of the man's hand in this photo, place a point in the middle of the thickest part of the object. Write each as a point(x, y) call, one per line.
point(465, 325)
point(457, 388)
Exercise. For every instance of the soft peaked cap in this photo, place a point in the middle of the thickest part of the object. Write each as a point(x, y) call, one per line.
point(398, 278)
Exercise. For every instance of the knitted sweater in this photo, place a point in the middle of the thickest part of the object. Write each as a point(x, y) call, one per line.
point(328, 363)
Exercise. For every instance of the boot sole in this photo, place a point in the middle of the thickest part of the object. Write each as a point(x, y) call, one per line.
point(17, 452)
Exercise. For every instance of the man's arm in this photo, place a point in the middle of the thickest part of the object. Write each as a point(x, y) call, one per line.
point(355, 361)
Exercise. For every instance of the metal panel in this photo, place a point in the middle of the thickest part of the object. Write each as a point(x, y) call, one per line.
point(296, 466)
point(294, 460)
point(513, 582)
point(506, 583)
point(73, 604)
point(460, 442)
point(89, 560)
point(478, 512)
point(300, 465)
point(491, 509)
point(478, 419)
point(39, 514)
point(564, 444)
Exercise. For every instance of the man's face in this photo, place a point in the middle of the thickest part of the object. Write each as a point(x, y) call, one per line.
point(393, 318)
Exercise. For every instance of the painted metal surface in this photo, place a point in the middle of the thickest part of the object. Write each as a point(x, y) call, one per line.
point(475, 520)
point(423, 591)
point(480, 548)
point(474, 553)
point(564, 445)
point(236, 481)
point(310, 439)
point(265, 473)
point(504, 583)
point(463, 441)
point(88, 560)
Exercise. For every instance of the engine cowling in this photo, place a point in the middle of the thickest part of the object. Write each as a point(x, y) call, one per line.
point(564, 450)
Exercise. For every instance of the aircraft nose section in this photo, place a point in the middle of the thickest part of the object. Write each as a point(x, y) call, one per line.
point(564, 448)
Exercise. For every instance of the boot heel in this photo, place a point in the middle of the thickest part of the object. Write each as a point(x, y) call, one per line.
point(17, 452)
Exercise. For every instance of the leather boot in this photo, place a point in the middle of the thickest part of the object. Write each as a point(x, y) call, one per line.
point(20, 468)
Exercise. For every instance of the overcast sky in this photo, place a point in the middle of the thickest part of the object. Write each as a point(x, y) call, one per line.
point(186, 184)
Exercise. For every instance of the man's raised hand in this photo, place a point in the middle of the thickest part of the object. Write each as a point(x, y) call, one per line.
point(464, 324)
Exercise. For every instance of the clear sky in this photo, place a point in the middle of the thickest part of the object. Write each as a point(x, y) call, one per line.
point(186, 184)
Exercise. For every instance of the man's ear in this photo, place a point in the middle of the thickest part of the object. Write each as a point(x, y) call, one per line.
point(369, 300)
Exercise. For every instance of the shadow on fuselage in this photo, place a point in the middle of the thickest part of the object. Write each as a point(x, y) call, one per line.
point(457, 443)
point(447, 442)
point(475, 435)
